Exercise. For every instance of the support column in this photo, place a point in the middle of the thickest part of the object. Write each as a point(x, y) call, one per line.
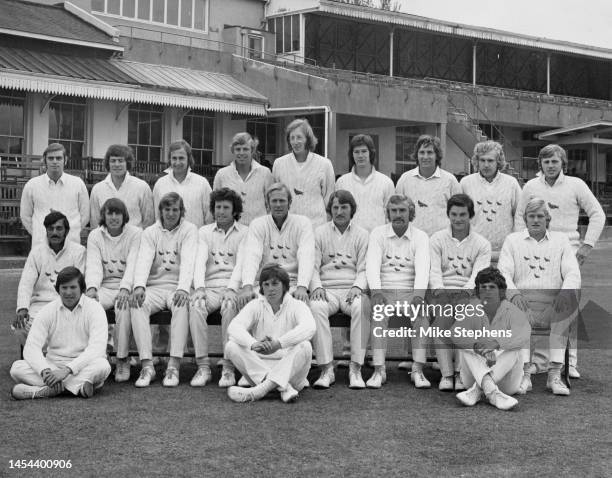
point(37, 124)
point(474, 65)
point(548, 74)
point(303, 37)
point(331, 138)
point(391, 51)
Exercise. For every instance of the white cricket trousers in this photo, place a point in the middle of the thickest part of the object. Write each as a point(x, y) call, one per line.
point(507, 371)
point(95, 373)
point(360, 325)
point(123, 324)
point(289, 365)
point(198, 314)
point(160, 298)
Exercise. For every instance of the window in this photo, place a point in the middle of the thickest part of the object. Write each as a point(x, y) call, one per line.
point(67, 124)
point(265, 130)
point(405, 141)
point(199, 132)
point(287, 30)
point(189, 14)
point(11, 121)
point(255, 46)
point(145, 132)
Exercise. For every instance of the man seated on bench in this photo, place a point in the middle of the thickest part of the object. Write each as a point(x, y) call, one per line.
point(162, 280)
point(37, 283)
point(397, 269)
point(337, 285)
point(543, 279)
point(458, 253)
point(492, 366)
point(112, 251)
point(216, 278)
point(269, 340)
point(73, 330)
point(279, 237)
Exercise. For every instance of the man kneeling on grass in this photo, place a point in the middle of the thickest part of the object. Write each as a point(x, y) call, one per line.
point(74, 330)
point(492, 366)
point(269, 340)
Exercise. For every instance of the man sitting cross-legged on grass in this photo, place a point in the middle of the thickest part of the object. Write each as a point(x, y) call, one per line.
point(217, 278)
point(73, 330)
point(458, 253)
point(112, 251)
point(492, 366)
point(269, 340)
point(37, 283)
point(337, 284)
point(163, 278)
point(543, 278)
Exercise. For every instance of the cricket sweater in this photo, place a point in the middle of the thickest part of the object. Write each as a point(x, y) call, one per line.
point(340, 258)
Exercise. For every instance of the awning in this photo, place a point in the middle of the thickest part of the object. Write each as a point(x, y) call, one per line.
point(126, 81)
point(592, 127)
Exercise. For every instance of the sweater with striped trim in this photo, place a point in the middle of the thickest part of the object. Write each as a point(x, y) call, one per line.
point(311, 183)
point(340, 258)
point(495, 204)
point(454, 263)
point(430, 196)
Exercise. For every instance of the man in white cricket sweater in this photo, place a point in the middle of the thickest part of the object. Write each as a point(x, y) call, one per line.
point(72, 331)
point(216, 278)
point(428, 186)
point(492, 366)
point(112, 251)
point(495, 195)
point(269, 341)
point(397, 269)
point(162, 280)
point(37, 283)
point(370, 188)
point(135, 193)
point(280, 237)
point(457, 255)
point(337, 285)
point(543, 279)
point(193, 188)
point(309, 177)
point(54, 191)
point(246, 176)
point(565, 197)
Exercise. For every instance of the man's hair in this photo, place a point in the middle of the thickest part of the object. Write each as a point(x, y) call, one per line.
point(119, 151)
point(361, 140)
point(461, 200)
point(549, 151)
point(491, 274)
point(181, 144)
point(486, 147)
point(427, 140)
point(537, 204)
point(244, 138)
point(52, 148)
point(311, 140)
point(272, 270)
point(398, 199)
point(226, 194)
point(55, 216)
point(114, 205)
point(170, 199)
point(344, 197)
point(68, 274)
point(277, 187)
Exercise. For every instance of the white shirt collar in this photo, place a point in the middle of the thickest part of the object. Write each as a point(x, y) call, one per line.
point(391, 233)
point(415, 172)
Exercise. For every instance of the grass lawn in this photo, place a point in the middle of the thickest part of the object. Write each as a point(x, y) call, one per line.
point(396, 431)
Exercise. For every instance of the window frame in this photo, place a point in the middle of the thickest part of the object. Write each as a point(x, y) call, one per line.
point(150, 20)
